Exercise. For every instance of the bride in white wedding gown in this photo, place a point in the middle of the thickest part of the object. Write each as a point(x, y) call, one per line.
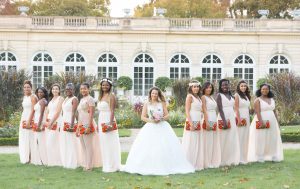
point(157, 150)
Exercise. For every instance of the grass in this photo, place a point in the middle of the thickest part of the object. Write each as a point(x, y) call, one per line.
point(124, 132)
point(257, 175)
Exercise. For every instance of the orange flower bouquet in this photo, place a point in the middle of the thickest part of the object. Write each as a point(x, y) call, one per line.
point(221, 124)
point(195, 124)
point(106, 127)
point(24, 126)
point(212, 126)
point(69, 128)
point(83, 129)
point(264, 125)
point(37, 128)
point(243, 122)
point(54, 125)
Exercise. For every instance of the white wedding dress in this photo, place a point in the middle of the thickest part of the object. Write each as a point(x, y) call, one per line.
point(157, 150)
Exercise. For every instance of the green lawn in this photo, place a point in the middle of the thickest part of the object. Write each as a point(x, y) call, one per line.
point(124, 132)
point(257, 175)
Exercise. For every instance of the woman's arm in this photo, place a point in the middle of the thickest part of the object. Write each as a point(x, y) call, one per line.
point(166, 113)
point(204, 109)
point(220, 107)
point(58, 111)
point(112, 108)
point(188, 102)
point(236, 108)
point(74, 110)
point(257, 110)
point(33, 102)
point(43, 107)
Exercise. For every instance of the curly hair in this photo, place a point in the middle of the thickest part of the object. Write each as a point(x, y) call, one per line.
point(270, 94)
point(160, 94)
point(246, 93)
point(206, 85)
point(220, 87)
point(46, 96)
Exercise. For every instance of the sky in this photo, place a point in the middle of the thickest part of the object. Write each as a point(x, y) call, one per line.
point(117, 6)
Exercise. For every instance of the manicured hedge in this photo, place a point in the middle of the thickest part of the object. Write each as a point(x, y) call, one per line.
point(290, 137)
point(9, 141)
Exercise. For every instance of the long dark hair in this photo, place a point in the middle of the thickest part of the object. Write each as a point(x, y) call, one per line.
point(270, 94)
point(50, 92)
point(246, 94)
point(206, 85)
point(220, 87)
point(160, 94)
point(109, 81)
point(46, 96)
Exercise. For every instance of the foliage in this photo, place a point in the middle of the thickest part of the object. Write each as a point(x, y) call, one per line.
point(125, 82)
point(126, 118)
point(60, 7)
point(233, 83)
point(183, 9)
point(200, 79)
point(286, 87)
point(171, 103)
point(12, 141)
point(277, 8)
point(261, 81)
point(11, 92)
point(176, 118)
point(8, 131)
point(70, 77)
point(163, 83)
point(138, 107)
point(180, 91)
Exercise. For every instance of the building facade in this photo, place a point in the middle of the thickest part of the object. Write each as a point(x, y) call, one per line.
point(147, 48)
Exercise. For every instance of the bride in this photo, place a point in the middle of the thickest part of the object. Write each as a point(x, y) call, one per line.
point(156, 150)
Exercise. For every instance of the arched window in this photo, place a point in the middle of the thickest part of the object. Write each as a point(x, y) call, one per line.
point(8, 61)
point(279, 64)
point(75, 63)
point(108, 66)
point(212, 68)
point(244, 69)
point(41, 68)
point(179, 67)
point(143, 71)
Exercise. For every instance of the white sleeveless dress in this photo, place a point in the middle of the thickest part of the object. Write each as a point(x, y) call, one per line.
point(25, 135)
point(192, 141)
point(53, 136)
point(109, 141)
point(39, 152)
point(243, 131)
point(212, 148)
point(69, 143)
point(229, 141)
point(267, 144)
point(157, 150)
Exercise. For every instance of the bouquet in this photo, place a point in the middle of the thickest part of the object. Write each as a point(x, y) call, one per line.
point(68, 128)
point(54, 125)
point(264, 125)
point(195, 124)
point(221, 124)
point(83, 128)
point(24, 124)
point(156, 115)
point(212, 126)
point(243, 122)
point(37, 128)
point(106, 127)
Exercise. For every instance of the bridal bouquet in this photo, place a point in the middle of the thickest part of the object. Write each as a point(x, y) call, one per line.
point(211, 127)
point(195, 124)
point(106, 127)
point(83, 129)
point(69, 128)
point(37, 128)
point(221, 124)
point(24, 124)
point(243, 122)
point(156, 115)
point(264, 125)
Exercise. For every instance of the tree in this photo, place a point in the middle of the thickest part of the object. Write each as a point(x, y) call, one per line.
point(184, 8)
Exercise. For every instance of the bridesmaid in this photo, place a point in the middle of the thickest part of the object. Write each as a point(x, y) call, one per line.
point(192, 140)
point(88, 140)
point(69, 141)
point(268, 144)
point(109, 141)
point(211, 135)
point(53, 115)
point(39, 152)
point(242, 105)
point(25, 131)
point(230, 150)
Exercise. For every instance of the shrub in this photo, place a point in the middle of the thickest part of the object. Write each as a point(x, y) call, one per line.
point(8, 131)
point(233, 83)
point(126, 118)
point(11, 93)
point(163, 83)
point(125, 82)
point(171, 103)
point(261, 81)
point(200, 79)
point(286, 88)
point(177, 118)
point(180, 88)
point(71, 77)
point(14, 141)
